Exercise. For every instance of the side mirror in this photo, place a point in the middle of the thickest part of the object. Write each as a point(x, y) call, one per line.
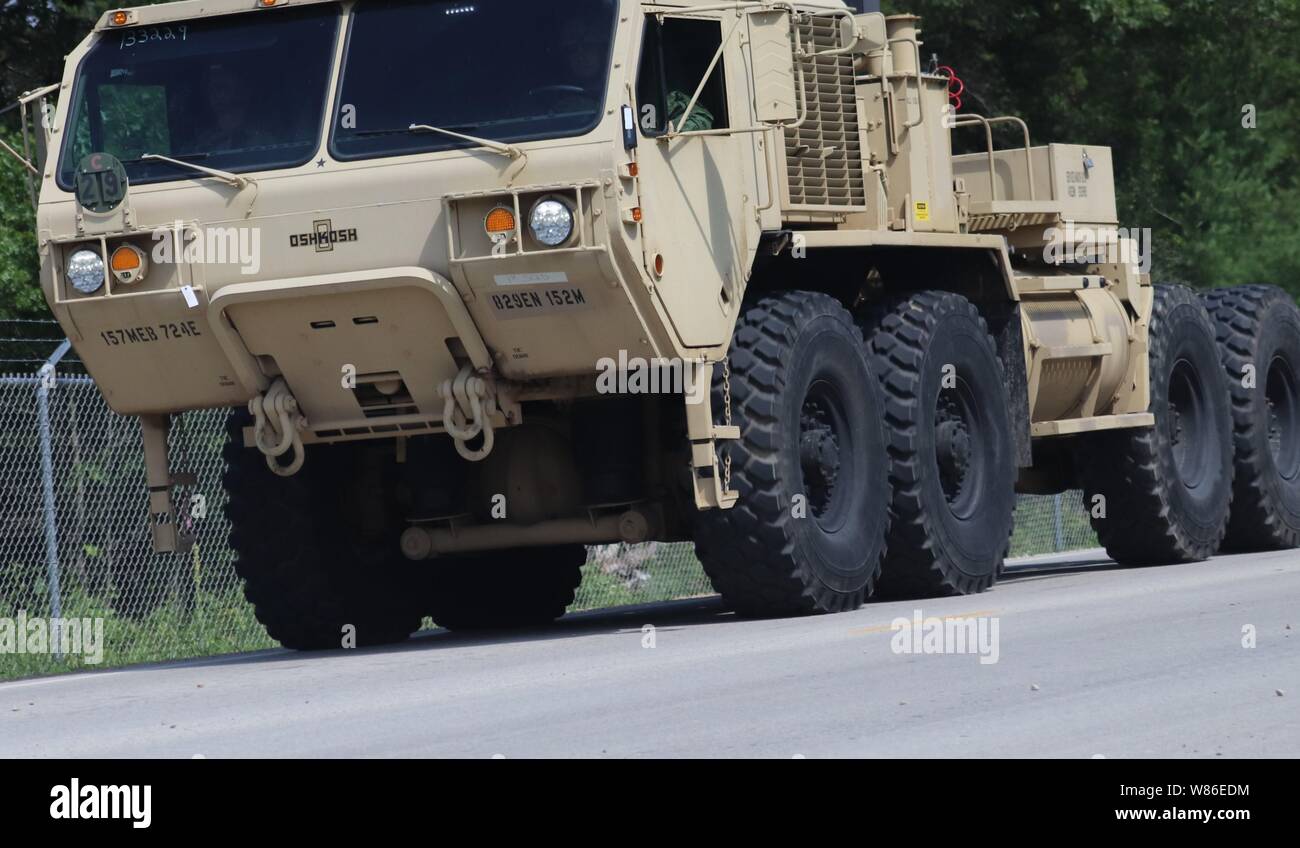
point(776, 99)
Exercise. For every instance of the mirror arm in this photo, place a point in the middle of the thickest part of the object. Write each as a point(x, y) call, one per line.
point(22, 159)
point(25, 158)
point(37, 93)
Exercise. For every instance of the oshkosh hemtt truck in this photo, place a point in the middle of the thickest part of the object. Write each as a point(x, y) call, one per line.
point(407, 239)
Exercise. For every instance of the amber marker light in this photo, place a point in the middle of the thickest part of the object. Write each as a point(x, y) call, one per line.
point(500, 221)
point(128, 264)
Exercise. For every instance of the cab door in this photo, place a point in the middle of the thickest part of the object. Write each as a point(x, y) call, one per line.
point(697, 192)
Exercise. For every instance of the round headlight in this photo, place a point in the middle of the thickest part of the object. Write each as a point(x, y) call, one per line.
point(551, 222)
point(86, 271)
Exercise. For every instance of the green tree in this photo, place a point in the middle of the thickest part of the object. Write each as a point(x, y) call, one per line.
point(35, 35)
point(1164, 83)
point(20, 292)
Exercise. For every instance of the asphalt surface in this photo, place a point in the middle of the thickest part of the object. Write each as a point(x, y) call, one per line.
point(1092, 660)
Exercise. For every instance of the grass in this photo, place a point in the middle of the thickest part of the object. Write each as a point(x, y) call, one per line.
point(1035, 532)
point(218, 624)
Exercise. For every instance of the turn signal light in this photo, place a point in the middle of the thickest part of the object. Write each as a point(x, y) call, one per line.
point(120, 19)
point(500, 221)
point(128, 264)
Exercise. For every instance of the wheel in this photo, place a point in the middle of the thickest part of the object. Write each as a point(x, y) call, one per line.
point(1166, 489)
point(810, 467)
point(952, 459)
point(317, 564)
point(505, 589)
point(1259, 343)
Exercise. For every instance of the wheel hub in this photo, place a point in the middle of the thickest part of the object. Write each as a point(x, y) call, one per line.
point(819, 457)
point(1274, 429)
point(953, 450)
point(1283, 401)
point(1189, 431)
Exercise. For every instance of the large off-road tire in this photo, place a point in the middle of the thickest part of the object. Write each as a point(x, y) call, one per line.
point(1167, 488)
point(810, 466)
point(952, 455)
point(505, 589)
point(316, 565)
point(1259, 343)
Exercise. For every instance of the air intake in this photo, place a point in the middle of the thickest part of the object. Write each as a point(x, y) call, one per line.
point(824, 154)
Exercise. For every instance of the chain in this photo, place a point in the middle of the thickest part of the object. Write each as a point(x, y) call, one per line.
point(726, 414)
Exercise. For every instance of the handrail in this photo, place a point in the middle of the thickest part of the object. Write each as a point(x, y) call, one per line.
point(970, 120)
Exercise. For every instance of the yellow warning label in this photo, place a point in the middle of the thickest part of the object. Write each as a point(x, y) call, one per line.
point(922, 210)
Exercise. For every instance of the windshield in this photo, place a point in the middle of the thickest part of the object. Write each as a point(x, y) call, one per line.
point(497, 69)
point(238, 93)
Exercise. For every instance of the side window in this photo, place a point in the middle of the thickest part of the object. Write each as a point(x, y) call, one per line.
point(674, 57)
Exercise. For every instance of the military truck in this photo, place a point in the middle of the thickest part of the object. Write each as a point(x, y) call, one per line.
point(487, 282)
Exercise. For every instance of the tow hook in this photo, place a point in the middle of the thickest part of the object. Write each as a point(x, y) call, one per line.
point(469, 404)
point(277, 428)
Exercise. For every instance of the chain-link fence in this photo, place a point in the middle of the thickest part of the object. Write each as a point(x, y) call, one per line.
point(75, 541)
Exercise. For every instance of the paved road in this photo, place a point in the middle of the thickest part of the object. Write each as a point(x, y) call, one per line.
point(1092, 660)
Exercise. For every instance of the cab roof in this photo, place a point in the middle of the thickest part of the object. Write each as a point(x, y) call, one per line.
point(195, 9)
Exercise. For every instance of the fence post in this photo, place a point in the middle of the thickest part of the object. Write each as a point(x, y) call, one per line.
point(43, 385)
point(1058, 522)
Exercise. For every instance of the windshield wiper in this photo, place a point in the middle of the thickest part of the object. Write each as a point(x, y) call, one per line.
point(500, 147)
point(225, 176)
point(406, 130)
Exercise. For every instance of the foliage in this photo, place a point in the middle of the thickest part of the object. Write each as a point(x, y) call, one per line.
point(219, 624)
point(20, 291)
point(35, 35)
point(1164, 83)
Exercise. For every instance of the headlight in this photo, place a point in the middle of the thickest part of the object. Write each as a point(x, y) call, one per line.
point(86, 271)
point(551, 222)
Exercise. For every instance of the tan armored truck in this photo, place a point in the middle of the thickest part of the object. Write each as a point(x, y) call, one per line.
point(488, 281)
